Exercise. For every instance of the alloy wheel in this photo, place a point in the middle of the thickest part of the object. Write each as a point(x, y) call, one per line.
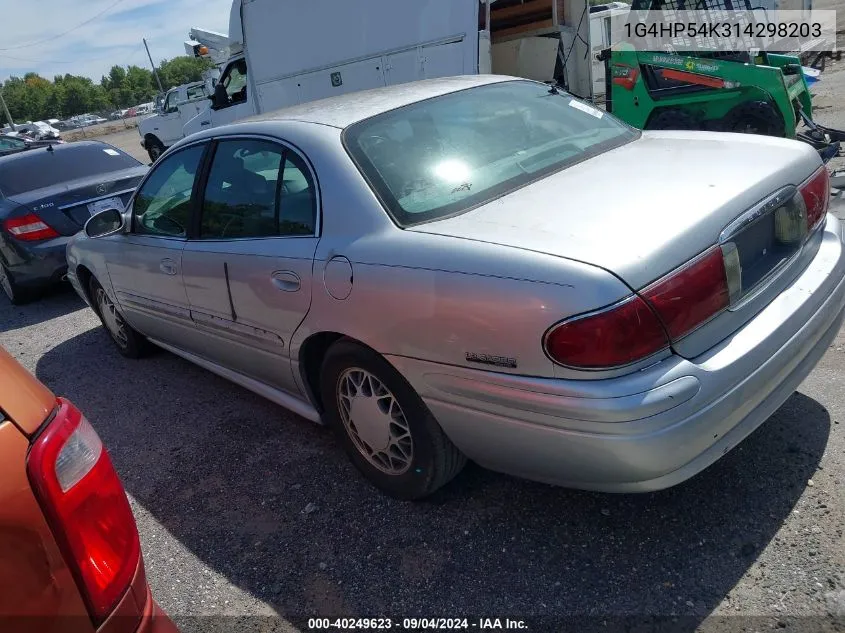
point(112, 318)
point(374, 421)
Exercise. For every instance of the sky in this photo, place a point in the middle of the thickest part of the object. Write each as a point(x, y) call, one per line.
point(32, 37)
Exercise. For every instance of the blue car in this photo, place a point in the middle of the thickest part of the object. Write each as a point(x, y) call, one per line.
point(46, 196)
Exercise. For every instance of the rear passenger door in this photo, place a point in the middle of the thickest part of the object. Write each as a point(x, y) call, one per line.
point(248, 266)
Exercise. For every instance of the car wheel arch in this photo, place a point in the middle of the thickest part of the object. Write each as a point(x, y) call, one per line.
point(312, 352)
point(84, 274)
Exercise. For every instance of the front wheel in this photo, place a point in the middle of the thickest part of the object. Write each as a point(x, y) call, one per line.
point(384, 426)
point(129, 341)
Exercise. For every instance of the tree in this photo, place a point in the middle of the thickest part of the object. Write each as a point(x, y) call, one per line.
point(182, 70)
point(33, 97)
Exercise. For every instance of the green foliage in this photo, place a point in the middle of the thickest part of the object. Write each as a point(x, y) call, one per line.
point(34, 98)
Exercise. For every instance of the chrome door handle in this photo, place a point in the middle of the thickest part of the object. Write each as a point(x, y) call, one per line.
point(286, 280)
point(167, 266)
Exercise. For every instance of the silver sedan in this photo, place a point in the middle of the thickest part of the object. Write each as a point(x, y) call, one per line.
point(483, 268)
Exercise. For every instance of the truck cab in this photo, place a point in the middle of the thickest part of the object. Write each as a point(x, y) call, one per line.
point(163, 129)
point(232, 99)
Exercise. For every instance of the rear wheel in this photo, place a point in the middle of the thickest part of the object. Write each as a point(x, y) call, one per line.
point(672, 120)
point(129, 341)
point(154, 148)
point(384, 426)
point(16, 294)
point(754, 117)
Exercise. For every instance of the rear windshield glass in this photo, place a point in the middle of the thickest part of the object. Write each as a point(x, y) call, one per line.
point(38, 168)
point(445, 155)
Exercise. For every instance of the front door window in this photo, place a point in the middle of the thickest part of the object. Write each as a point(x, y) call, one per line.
point(162, 205)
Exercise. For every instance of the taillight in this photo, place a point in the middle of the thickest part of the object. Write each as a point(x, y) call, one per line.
point(86, 506)
point(29, 228)
point(620, 335)
point(625, 76)
point(816, 194)
point(692, 294)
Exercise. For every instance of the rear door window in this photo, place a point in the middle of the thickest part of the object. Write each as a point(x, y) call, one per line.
point(40, 168)
point(257, 189)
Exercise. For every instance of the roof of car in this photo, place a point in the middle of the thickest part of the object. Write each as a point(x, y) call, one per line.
point(346, 109)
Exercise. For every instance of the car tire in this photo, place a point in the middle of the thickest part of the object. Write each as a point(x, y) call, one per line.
point(414, 456)
point(128, 341)
point(754, 117)
point(154, 148)
point(14, 291)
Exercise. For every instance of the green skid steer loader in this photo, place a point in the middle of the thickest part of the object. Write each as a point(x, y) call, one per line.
point(764, 93)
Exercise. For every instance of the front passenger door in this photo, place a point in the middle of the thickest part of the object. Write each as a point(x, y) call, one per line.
point(145, 266)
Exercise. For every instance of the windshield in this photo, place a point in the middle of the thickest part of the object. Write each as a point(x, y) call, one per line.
point(443, 156)
point(40, 168)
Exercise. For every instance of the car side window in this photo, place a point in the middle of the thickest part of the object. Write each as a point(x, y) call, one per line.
point(235, 81)
point(196, 92)
point(297, 198)
point(257, 189)
point(162, 205)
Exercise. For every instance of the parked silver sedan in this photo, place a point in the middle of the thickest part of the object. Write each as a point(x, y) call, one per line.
point(483, 268)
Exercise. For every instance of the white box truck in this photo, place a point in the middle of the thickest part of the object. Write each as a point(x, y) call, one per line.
point(285, 52)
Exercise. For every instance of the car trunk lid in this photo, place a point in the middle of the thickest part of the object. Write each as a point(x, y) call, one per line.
point(644, 209)
point(67, 206)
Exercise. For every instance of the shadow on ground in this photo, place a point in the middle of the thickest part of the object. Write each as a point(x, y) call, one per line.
point(54, 302)
point(229, 475)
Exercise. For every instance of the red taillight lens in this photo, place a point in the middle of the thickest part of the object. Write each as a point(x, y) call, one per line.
point(691, 295)
point(625, 76)
point(621, 335)
point(816, 194)
point(86, 505)
point(29, 228)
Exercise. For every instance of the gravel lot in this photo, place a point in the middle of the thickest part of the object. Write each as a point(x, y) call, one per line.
point(246, 510)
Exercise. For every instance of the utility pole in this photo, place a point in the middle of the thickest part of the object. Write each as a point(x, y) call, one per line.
point(6, 111)
point(155, 72)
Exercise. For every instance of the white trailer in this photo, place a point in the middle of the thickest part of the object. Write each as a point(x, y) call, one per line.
point(285, 52)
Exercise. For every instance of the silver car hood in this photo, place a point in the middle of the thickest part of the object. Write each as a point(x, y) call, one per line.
point(642, 209)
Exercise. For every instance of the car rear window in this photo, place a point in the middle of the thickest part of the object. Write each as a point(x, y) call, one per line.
point(445, 155)
point(39, 168)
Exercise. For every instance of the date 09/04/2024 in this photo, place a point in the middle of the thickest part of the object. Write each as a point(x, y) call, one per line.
point(416, 624)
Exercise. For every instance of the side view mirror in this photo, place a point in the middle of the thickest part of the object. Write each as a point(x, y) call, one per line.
point(104, 223)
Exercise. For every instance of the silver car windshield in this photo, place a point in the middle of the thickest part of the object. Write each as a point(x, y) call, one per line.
point(446, 155)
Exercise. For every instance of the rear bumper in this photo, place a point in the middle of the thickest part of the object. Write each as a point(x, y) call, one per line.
point(655, 428)
point(36, 264)
point(138, 612)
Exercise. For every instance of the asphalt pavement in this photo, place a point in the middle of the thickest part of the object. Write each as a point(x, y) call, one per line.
point(252, 519)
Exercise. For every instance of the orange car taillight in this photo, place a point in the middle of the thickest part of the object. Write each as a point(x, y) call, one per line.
point(86, 507)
